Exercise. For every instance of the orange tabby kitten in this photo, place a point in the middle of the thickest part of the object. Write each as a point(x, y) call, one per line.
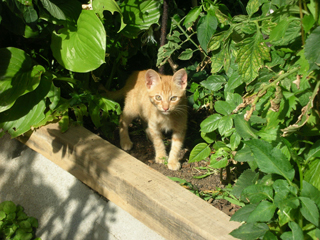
point(161, 102)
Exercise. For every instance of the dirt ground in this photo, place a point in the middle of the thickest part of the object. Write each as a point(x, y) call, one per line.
point(144, 151)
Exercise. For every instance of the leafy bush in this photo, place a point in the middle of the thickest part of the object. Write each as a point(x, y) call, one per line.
point(54, 55)
point(262, 96)
point(15, 224)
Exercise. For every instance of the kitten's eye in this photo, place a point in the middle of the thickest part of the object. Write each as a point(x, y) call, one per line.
point(174, 98)
point(158, 97)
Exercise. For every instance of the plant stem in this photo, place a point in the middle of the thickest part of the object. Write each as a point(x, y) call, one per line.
point(66, 79)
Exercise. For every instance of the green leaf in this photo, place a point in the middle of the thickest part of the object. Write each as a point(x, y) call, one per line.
point(285, 32)
point(186, 54)
point(217, 61)
point(269, 159)
point(309, 210)
point(223, 107)
point(262, 213)
point(296, 231)
point(30, 15)
point(244, 155)
point(18, 76)
point(209, 137)
point(235, 140)
point(218, 164)
point(211, 123)
point(307, 22)
point(308, 190)
point(200, 152)
point(252, 51)
point(312, 51)
point(110, 5)
point(213, 82)
point(250, 231)
point(243, 213)
point(314, 151)
point(234, 81)
point(82, 49)
point(312, 173)
point(207, 26)
point(8, 207)
point(53, 9)
point(246, 179)
point(253, 6)
point(27, 111)
point(287, 214)
point(243, 128)
point(258, 192)
point(2, 215)
point(192, 16)
point(225, 124)
point(269, 236)
point(139, 16)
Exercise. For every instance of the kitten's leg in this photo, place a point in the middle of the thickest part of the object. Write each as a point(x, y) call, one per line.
point(125, 141)
point(155, 135)
point(176, 145)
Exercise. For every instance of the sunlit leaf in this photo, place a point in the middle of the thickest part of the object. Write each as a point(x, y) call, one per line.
point(200, 152)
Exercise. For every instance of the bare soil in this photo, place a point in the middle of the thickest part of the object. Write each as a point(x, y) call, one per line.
point(144, 151)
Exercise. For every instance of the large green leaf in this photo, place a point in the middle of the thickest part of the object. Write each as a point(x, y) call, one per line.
point(223, 107)
point(214, 82)
point(200, 152)
point(243, 128)
point(243, 213)
point(192, 16)
point(110, 5)
point(262, 213)
point(207, 26)
point(312, 50)
point(285, 32)
point(225, 124)
point(27, 111)
point(246, 179)
point(251, 55)
point(258, 192)
point(53, 9)
point(210, 124)
point(253, 6)
point(139, 16)
point(269, 159)
point(81, 49)
point(312, 173)
point(17, 76)
point(311, 192)
point(309, 210)
point(250, 231)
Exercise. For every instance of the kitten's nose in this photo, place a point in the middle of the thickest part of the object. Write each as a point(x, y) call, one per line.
point(165, 108)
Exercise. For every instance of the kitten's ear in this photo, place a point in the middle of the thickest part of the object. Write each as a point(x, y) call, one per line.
point(152, 78)
point(180, 78)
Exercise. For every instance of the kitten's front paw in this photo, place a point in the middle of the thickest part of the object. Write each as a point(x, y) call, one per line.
point(126, 144)
point(174, 166)
point(161, 160)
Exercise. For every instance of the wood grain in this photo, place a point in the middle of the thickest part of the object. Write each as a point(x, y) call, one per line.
point(146, 194)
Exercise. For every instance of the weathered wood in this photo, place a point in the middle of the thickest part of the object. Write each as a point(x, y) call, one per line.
point(146, 194)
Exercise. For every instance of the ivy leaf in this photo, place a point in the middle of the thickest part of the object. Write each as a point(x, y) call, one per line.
point(211, 123)
point(207, 26)
point(200, 152)
point(252, 52)
point(312, 50)
point(269, 159)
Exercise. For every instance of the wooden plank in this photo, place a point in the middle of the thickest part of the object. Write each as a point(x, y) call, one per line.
point(146, 194)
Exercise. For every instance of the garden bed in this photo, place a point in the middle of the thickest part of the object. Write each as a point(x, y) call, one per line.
point(146, 194)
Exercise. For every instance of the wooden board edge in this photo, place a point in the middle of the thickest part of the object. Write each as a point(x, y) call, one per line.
point(140, 193)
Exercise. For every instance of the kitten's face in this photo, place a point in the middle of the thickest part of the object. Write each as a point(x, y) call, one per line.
point(167, 92)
